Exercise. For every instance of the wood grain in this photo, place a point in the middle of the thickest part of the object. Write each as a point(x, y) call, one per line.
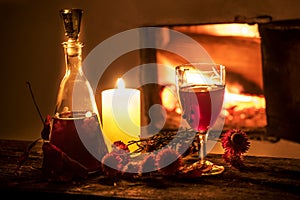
point(264, 178)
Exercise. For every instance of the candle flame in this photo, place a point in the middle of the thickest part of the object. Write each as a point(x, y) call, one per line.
point(120, 83)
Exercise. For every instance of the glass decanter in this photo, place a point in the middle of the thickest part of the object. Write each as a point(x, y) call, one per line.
point(75, 127)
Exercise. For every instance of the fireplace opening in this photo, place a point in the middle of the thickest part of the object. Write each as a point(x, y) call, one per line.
point(238, 47)
point(262, 61)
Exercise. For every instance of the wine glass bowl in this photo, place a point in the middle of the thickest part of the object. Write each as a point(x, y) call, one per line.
point(201, 88)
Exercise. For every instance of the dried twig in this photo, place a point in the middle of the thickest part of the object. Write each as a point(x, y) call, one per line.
point(34, 101)
point(46, 124)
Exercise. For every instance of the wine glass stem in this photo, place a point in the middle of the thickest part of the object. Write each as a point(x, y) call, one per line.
point(202, 147)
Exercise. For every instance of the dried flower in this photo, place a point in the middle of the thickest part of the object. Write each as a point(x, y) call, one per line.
point(234, 160)
point(122, 150)
point(112, 164)
point(169, 161)
point(119, 145)
point(148, 164)
point(131, 169)
point(235, 143)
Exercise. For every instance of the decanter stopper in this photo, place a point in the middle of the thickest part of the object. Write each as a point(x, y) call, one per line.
point(71, 20)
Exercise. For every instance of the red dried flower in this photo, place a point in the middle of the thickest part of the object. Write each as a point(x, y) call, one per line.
point(148, 164)
point(112, 164)
point(169, 161)
point(119, 145)
point(233, 160)
point(122, 150)
point(235, 143)
point(131, 169)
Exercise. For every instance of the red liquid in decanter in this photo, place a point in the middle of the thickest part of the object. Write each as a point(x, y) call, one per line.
point(80, 137)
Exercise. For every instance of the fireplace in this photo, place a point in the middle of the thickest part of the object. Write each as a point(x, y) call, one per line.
point(245, 48)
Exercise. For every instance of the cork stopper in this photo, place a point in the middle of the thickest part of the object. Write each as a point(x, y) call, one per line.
point(71, 21)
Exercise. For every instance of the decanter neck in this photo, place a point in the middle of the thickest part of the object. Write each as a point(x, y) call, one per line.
point(73, 55)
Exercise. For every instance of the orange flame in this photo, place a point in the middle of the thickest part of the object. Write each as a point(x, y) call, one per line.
point(242, 101)
point(244, 110)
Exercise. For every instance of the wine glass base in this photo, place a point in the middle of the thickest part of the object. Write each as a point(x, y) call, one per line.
point(212, 169)
point(208, 168)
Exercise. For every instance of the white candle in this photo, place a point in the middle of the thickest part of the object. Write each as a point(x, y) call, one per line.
point(121, 110)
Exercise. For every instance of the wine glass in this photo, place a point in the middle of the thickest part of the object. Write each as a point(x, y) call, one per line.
point(201, 88)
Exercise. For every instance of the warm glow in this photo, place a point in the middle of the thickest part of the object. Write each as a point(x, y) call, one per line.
point(244, 110)
point(195, 78)
point(240, 109)
point(121, 110)
point(233, 29)
point(169, 100)
point(120, 83)
point(242, 101)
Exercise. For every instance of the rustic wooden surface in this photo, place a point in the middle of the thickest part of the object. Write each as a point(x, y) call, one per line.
point(265, 178)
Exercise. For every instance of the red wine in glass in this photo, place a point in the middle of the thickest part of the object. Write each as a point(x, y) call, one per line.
point(201, 105)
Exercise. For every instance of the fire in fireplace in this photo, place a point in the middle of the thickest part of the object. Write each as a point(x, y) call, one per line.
point(237, 46)
point(262, 61)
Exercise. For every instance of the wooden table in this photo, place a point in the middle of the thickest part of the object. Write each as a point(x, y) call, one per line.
point(265, 178)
